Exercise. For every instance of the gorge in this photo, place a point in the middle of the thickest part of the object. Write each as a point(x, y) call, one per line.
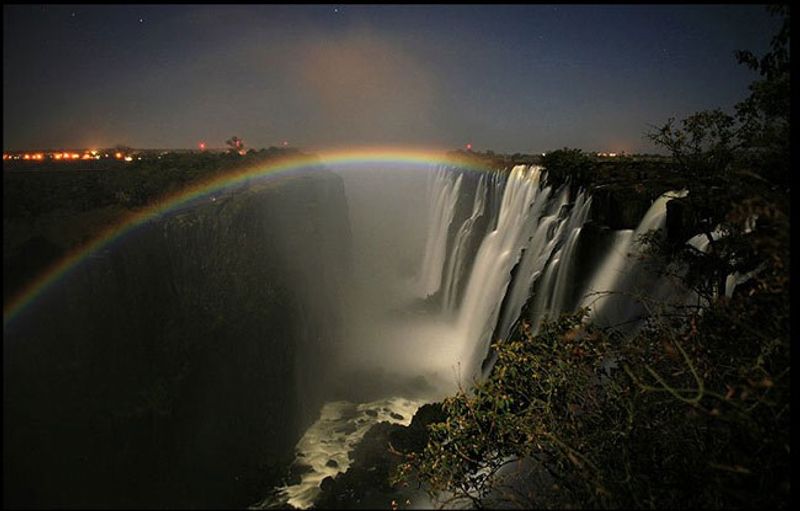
point(271, 325)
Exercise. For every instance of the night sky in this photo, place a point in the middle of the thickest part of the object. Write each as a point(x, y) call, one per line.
point(508, 78)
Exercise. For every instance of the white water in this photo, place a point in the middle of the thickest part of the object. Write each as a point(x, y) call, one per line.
point(611, 271)
point(617, 284)
point(441, 345)
point(551, 296)
point(326, 445)
point(445, 193)
point(497, 255)
point(457, 260)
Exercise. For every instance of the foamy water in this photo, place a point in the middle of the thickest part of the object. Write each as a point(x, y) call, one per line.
point(340, 427)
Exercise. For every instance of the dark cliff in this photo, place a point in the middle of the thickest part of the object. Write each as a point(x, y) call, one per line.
point(181, 365)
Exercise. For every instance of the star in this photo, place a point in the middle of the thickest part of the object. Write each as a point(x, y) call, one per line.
point(141, 20)
point(336, 10)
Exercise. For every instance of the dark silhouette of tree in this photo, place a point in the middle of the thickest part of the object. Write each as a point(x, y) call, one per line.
point(698, 413)
point(236, 145)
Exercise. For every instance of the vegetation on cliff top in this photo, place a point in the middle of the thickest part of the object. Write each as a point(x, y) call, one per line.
point(46, 213)
point(693, 409)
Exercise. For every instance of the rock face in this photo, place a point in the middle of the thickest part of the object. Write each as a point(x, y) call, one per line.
point(365, 485)
point(619, 207)
point(179, 367)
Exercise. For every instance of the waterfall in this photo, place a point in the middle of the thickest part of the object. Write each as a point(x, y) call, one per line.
point(551, 297)
point(445, 191)
point(613, 291)
point(531, 232)
point(498, 253)
point(514, 242)
point(495, 191)
point(465, 234)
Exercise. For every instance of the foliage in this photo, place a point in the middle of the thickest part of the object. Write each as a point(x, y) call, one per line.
point(568, 164)
point(235, 145)
point(523, 410)
point(131, 185)
point(736, 169)
point(693, 408)
point(675, 416)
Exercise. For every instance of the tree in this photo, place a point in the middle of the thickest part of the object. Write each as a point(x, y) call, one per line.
point(692, 409)
point(236, 145)
point(568, 164)
point(736, 168)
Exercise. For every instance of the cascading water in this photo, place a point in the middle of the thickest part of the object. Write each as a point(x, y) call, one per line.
point(442, 208)
point(511, 214)
point(465, 233)
point(497, 255)
point(527, 225)
point(553, 229)
point(517, 242)
point(614, 292)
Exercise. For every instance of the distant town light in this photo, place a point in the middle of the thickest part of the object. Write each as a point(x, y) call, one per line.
point(202, 146)
point(26, 157)
point(469, 147)
point(128, 158)
point(285, 143)
point(118, 155)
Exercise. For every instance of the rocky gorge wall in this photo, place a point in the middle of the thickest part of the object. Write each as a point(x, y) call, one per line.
point(180, 366)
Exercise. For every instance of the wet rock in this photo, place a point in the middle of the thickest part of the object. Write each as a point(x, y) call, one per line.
point(346, 429)
point(327, 484)
point(348, 413)
point(296, 472)
point(397, 416)
point(619, 208)
point(365, 485)
point(332, 464)
point(372, 413)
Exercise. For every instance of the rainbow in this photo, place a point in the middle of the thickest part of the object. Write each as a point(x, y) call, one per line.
point(417, 158)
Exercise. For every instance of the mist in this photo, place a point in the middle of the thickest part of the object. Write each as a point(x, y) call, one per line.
point(393, 342)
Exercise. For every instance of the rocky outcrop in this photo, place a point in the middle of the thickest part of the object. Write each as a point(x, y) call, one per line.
point(365, 485)
point(619, 208)
point(178, 367)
